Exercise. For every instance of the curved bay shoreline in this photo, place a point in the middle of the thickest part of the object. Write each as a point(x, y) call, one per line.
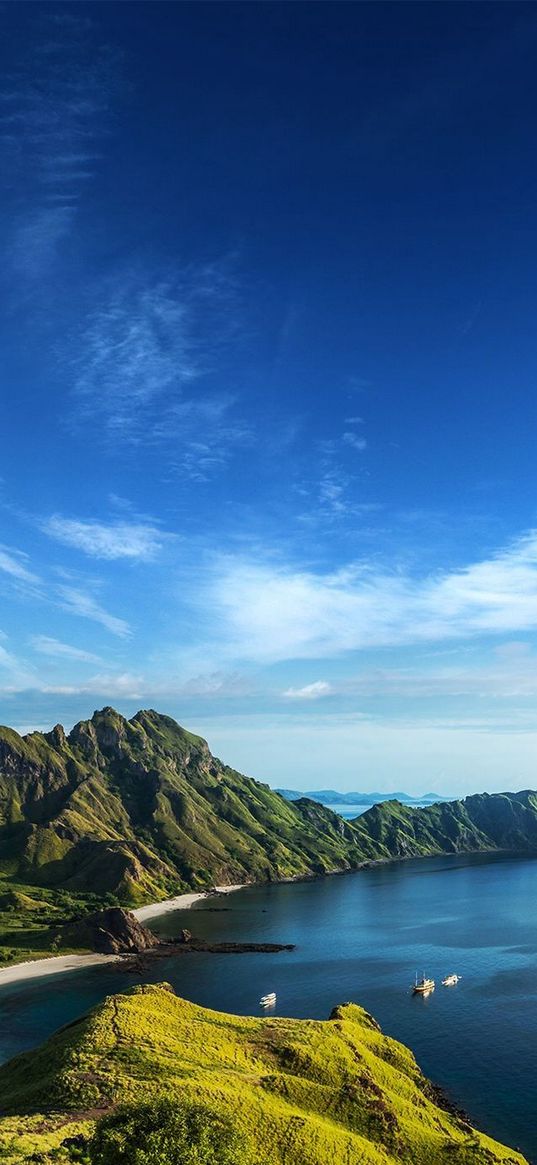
point(57, 964)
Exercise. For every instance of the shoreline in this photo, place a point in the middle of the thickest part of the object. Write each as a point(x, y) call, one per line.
point(54, 964)
point(181, 902)
point(51, 965)
point(57, 964)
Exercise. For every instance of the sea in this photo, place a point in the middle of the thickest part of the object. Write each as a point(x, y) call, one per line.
point(362, 937)
point(350, 811)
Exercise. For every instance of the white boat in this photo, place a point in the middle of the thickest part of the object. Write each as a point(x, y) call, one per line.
point(422, 986)
point(268, 1000)
point(451, 980)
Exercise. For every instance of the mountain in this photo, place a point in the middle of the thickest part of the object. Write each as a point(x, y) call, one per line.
point(296, 1091)
point(483, 821)
point(141, 809)
point(331, 797)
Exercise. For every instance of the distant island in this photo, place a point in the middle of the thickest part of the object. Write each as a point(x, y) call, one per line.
point(331, 797)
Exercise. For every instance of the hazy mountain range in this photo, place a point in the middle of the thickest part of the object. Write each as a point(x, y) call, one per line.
point(331, 797)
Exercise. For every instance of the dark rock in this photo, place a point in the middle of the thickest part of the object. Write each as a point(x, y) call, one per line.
point(109, 932)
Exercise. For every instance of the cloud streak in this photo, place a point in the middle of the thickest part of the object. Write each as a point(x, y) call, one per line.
point(115, 540)
point(314, 691)
point(53, 115)
point(78, 602)
point(46, 645)
point(272, 613)
point(13, 563)
point(143, 356)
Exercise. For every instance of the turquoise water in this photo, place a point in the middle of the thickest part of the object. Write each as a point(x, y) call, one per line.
point(362, 937)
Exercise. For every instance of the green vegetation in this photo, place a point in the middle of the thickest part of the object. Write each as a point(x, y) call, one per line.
point(140, 809)
point(130, 811)
point(495, 821)
point(29, 925)
point(168, 1132)
point(299, 1092)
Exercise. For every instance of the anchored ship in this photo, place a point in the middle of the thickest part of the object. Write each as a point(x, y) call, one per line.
point(422, 986)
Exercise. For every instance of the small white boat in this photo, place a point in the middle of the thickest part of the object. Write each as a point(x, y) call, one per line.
point(451, 980)
point(268, 1000)
point(422, 986)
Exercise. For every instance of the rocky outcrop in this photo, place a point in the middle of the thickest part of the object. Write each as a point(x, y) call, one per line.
point(109, 932)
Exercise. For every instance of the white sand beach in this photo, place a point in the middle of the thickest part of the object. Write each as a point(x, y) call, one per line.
point(182, 902)
point(36, 968)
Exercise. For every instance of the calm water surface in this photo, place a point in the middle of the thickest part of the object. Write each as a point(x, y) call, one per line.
point(350, 811)
point(362, 937)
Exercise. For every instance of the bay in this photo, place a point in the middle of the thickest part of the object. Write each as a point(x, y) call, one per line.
point(362, 937)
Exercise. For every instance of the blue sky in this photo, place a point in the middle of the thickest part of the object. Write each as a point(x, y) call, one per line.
point(268, 306)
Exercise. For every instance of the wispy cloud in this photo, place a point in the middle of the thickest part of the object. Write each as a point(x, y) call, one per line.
point(115, 540)
point(105, 684)
point(142, 359)
point(46, 645)
point(13, 563)
point(78, 602)
point(15, 673)
point(269, 613)
point(53, 116)
point(354, 441)
point(314, 691)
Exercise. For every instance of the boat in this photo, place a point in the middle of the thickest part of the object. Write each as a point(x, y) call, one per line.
point(268, 1000)
point(422, 986)
point(451, 980)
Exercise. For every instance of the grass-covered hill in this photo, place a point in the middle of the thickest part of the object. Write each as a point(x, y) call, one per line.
point(140, 809)
point(484, 821)
point(299, 1092)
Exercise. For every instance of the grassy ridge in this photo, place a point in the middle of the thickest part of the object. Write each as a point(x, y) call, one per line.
point(131, 811)
point(141, 809)
point(306, 1092)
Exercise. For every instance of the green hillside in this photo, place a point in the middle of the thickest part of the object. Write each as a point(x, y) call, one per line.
point(299, 1092)
point(484, 821)
point(132, 811)
point(141, 809)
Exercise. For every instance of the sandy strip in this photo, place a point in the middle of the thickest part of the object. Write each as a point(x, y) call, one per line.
point(36, 968)
point(182, 902)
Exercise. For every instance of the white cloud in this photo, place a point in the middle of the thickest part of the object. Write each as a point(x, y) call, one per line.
point(507, 677)
point(125, 685)
point(453, 759)
point(313, 691)
point(354, 441)
point(7, 660)
point(54, 648)
point(14, 563)
point(52, 113)
point(142, 356)
point(109, 541)
point(269, 613)
point(78, 602)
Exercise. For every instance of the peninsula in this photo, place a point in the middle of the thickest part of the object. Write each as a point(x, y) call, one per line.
point(336, 1091)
